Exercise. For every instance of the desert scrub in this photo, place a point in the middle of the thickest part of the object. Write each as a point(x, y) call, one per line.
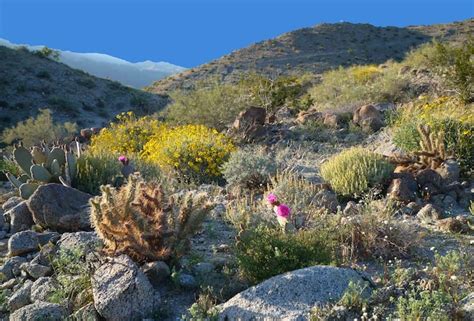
point(127, 135)
point(195, 152)
point(96, 170)
point(141, 221)
point(355, 171)
point(423, 305)
point(446, 115)
point(37, 129)
point(349, 87)
point(264, 252)
point(250, 167)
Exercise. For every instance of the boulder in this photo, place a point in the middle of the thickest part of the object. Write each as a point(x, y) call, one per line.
point(36, 270)
point(429, 182)
point(250, 117)
point(11, 267)
point(40, 311)
point(28, 241)
point(86, 313)
point(326, 199)
point(60, 208)
point(467, 307)
point(21, 297)
point(121, 291)
point(291, 296)
point(332, 120)
point(20, 218)
point(368, 118)
point(187, 281)
point(351, 209)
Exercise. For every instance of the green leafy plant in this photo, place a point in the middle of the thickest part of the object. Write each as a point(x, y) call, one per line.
point(250, 167)
point(203, 309)
point(355, 171)
point(265, 252)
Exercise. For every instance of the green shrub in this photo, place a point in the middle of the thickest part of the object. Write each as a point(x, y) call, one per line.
point(46, 52)
point(8, 166)
point(34, 130)
point(249, 167)
point(455, 64)
point(94, 171)
point(423, 305)
point(355, 171)
point(214, 105)
point(265, 252)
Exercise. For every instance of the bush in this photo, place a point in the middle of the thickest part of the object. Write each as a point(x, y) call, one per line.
point(266, 252)
point(126, 136)
point(8, 166)
point(213, 105)
point(34, 130)
point(444, 114)
point(249, 167)
point(194, 152)
point(345, 88)
point(355, 171)
point(94, 171)
point(455, 64)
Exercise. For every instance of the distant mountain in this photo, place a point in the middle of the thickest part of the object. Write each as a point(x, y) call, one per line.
point(29, 82)
point(317, 49)
point(138, 75)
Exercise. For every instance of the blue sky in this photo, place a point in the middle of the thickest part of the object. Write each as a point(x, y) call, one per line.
point(191, 32)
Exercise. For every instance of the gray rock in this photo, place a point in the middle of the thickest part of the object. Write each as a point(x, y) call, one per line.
point(326, 199)
point(429, 214)
point(88, 241)
point(36, 270)
point(20, 218)
point(11, 267)
point(403, 188)
point(121, 291)
point(187, 281)
point(21, 297)
point(28, 241)
point(40, 311)
point(11, 203)
point(449, 171)
point(292, 295)
point(42, 289)
point(10, 284)
point(351, 209)
point(467, 307)
point(156, 272)
point(60, 208)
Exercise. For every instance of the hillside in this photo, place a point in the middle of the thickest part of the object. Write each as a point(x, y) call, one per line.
point(29, 82)
point(317, 49)
point(137, 75)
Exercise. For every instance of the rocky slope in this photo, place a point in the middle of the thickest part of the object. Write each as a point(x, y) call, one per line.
point(317, 49)
point(29, 82)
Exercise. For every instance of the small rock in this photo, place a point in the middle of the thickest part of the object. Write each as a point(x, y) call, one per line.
point(453, 225)
point(88, 241)
point(11, 203)
point(403, 188)
point(332, 120)
point(351, 209)
point(122, 292)
point(10, 284)
point(87, 313)
point(429, 181)
point(11, 267)
point(40, 311)
point(429, 214)
point(157, 272)
point(368, 118)
point(42, 289)
point(37, 270)
point(449, 170)
point(326, 199)
point(21, 297)
point(467, 307)
point(20, 218)
point(28, 241)
point(187, 281)
point(305, 116)
point(218, 210)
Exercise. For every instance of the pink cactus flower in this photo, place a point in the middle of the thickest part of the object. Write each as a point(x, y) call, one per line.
point(272, 198)
point(283, 211)
point(123, 159)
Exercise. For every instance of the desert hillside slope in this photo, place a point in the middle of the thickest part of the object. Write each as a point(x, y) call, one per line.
point(317, 49)
point(29, 82)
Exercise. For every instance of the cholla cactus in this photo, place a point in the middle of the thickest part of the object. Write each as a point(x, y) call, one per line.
point(433, 152)
point(140, 221)
point(41, 165)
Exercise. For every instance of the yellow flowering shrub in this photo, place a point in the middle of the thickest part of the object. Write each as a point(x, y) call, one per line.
point(125, 136)
point(444, 114)
point(195, 152)
point(364, 74)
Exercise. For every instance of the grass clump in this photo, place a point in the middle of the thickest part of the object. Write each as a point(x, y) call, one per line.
point(40, 128)
point(355, 171)
point(265, 252)
point(250, 168)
